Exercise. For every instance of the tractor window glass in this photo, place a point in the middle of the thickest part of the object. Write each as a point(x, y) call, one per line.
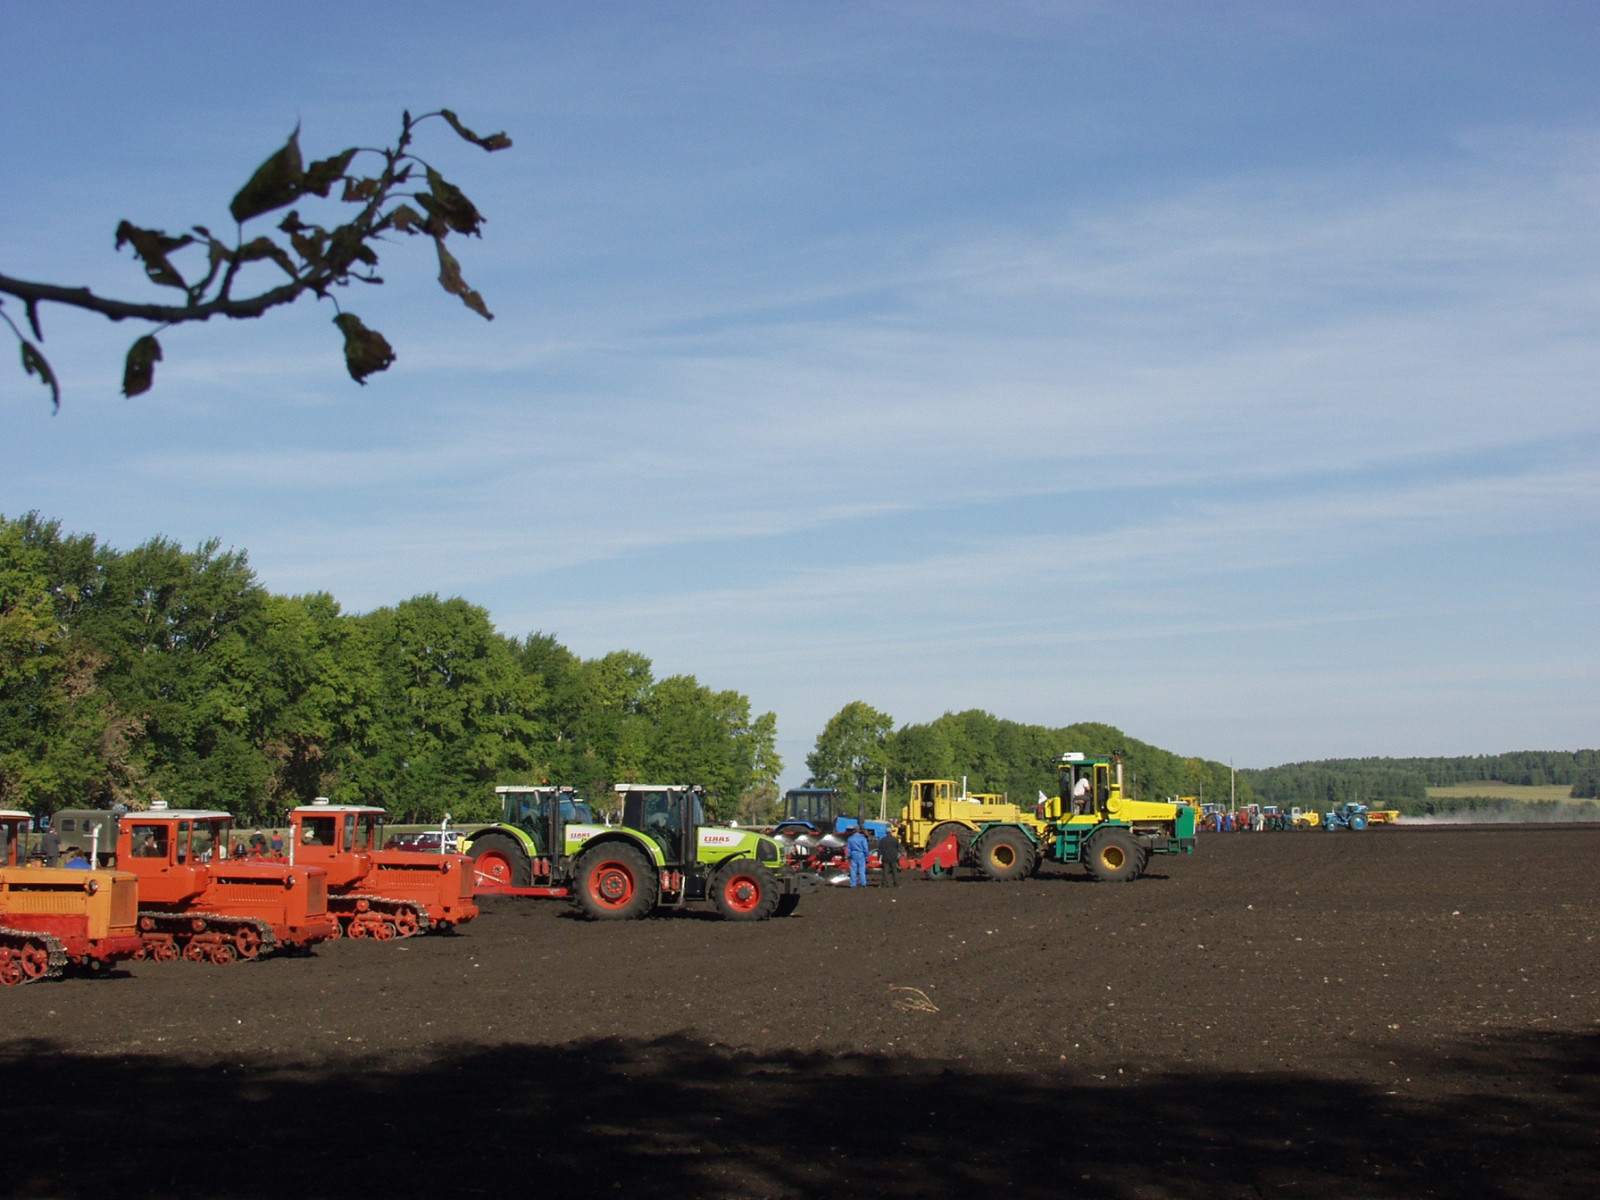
point(149, 841)
point(660, 812)
point(183, 840)
point(350, 831)
point(699, 813)
point(68, 824)
point(202, 844)
point(319, 831)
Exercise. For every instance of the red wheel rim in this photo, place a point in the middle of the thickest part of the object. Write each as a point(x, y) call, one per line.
point(35, 960)
point(493, 867)
point(248, 942)
point(405, 923)
point(742, 892)
point(611, 884)
point(11, 973)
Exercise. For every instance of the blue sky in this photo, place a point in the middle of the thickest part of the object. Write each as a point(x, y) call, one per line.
point(1224, 372)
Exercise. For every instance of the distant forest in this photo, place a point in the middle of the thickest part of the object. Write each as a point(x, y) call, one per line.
point(169, 673)
point(1403, 782)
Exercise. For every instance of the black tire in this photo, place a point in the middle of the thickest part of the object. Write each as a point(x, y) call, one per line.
point(1005, 854)
point(787, 903)
point(1113, 856)
point(615, 882)
point(964, 838)
point(744, 890)
point(507, 861)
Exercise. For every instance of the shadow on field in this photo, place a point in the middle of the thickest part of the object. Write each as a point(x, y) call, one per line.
point(678, 1118)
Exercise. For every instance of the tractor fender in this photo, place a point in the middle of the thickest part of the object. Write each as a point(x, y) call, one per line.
point(1025, 829)
point(628, 837)
point(520, 836)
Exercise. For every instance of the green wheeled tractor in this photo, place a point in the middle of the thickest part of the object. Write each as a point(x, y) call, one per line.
point(662, 854)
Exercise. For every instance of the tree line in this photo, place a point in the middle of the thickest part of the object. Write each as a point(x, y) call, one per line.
point(1403, 783)
point(170, 673)
point(860, 745)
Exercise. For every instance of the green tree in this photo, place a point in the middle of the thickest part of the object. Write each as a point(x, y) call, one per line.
point(454, 713)
point(851, 752)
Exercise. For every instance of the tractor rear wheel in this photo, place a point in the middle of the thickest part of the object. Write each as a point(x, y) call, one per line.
point(1005, 854)
point(498, 861)
point(1114, 857)
point(787, 903)
point(745, 890)
point(615, 882)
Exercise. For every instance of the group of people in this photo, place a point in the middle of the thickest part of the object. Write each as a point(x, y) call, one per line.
point(858, 848)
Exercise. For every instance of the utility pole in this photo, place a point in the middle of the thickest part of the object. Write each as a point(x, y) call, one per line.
point(1233, 794)
point(883, 798)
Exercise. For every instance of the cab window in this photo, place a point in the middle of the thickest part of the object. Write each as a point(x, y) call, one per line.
point(350, 831)
point(319, 831)
point(149, 841)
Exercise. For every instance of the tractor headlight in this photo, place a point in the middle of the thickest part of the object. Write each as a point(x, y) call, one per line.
point(289, 880)
point(91, 886)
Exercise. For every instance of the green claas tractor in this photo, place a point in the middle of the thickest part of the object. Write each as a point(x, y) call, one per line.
point(661, 855)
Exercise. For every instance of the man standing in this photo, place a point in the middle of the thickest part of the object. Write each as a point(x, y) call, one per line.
point(889, 851)
point(50, 846)
point(856, 848)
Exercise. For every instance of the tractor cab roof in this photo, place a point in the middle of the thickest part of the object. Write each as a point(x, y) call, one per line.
point(14, 814)
point(322, 806)
point(178, 814)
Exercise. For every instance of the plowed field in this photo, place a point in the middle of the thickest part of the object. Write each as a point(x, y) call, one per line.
point(1401, 1012)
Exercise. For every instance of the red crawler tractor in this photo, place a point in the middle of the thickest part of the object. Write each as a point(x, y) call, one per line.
point(198, 902)
point(52, 918)
point(379, 893)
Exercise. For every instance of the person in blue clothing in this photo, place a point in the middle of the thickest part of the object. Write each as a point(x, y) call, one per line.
point(856, 848)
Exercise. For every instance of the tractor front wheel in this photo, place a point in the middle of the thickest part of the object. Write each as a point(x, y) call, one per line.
point(1114, 857)
point(498, 861)
point(615, 883)
point(745, 890)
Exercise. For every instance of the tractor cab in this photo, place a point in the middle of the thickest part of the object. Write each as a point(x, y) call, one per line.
point(171, 850)
point(671, 816)
point(808, 810)
point(1087, 784)
point(543, 812)
point(927, 795)
point(335, 837)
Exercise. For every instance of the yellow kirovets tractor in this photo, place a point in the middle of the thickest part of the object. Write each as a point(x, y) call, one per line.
point(942, 808)
point(1089, 821)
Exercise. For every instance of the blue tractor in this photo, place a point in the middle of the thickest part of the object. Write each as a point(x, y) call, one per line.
point(1346, 816)
point(816, 811)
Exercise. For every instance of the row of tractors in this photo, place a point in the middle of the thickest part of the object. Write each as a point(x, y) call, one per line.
point(1270, 818)
point(166, 884)
point(172, 883)
point(662, 853)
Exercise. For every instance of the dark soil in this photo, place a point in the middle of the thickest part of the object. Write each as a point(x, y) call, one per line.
point(1401, 1012)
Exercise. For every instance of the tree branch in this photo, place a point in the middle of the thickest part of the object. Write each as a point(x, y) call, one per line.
point(315, 259)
